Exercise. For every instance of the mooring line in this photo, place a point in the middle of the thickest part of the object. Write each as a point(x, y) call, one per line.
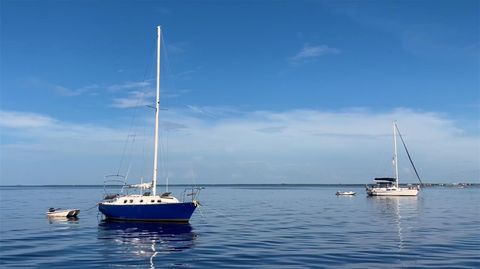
point(91, 207)
point(219, 213)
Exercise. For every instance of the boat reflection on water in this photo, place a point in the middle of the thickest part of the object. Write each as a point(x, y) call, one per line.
point(147, 239)
point(63, 220)
point(398, 210)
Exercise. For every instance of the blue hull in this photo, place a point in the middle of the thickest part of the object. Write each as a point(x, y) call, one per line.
point(175, 212)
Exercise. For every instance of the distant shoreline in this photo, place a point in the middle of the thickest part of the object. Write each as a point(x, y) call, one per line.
point(464, 184)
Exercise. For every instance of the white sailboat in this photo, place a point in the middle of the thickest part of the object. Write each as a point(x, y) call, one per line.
point(149, 206)
point(387, 186)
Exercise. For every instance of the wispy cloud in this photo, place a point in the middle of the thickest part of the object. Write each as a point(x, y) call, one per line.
point(64, 91)
point(165, 93)
point(163, 10)
point(129, 85)
point(271, 130)
point(348, 146)
point(135, 93)
point(14, 119)
point(177, 48)
point(184, 75)
point(310, 52)
point(418, 35)
point(89, 89)
point(141, 98)
point(134, 99)
point(212, 112)
point(327, 141)
point(39, 126)
point(36, 137)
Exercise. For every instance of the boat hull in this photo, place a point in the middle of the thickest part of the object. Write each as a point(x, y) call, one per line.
point(396, 192)
point(345, 193)
point(67, 213)
point(169, 212)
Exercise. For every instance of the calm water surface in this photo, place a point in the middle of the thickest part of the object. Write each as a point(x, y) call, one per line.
point(248, 227)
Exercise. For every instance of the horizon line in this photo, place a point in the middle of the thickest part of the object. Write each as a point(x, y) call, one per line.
point(241, 184)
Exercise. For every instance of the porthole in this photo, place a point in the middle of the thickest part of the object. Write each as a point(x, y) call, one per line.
point(141, 201)
point(124, 201)
point(131, 201)
point(152, 201)
point(159, 201)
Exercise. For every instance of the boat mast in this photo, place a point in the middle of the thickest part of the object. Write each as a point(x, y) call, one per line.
point(395, 157)
point(157, 110)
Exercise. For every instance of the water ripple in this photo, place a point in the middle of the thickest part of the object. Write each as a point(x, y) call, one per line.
point(298, 227)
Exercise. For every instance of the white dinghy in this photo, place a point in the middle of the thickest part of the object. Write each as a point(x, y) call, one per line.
point(62, 213)
point(345, 193)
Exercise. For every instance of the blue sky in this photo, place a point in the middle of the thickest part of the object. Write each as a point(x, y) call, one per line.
point(256, 91)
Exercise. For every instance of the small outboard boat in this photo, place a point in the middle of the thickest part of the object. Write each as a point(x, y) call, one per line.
point(62, 213)
point(345, 193)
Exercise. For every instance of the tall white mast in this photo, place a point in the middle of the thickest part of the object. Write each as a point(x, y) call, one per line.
point(395, 157)
point(157, 111)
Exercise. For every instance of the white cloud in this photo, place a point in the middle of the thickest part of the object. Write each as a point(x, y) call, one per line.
point(93, 89)
point(177, 48)
point(129, 85)
point(64, 91)
point(309, 52)
point(21, 127)
point(13, 119)
point(139, 94)
point(134, 99)
point(318, 146)
point(295, 146)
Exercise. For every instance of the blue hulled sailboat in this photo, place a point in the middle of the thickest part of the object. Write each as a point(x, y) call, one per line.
point(149, 206)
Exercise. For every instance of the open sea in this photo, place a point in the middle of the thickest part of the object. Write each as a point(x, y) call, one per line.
point(284, 226)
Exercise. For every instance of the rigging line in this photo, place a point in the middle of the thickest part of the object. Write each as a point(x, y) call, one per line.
point(143, 168)
point(164, 153)
point(165, 142)
point(162, 148)
point(130, 134)
point(408, 154)
point(166, 60)
point(140, 102)
point(167, 132)
point(193, 174)
point(164, 156)
point(143, 152)
point(167, 157)
point(134, 116)
point(168, 70)
point(201, 213)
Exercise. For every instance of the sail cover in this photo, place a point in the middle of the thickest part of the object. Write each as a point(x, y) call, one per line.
point(385, 178)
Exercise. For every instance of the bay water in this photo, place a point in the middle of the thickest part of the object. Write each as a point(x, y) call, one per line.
point(251, 226)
